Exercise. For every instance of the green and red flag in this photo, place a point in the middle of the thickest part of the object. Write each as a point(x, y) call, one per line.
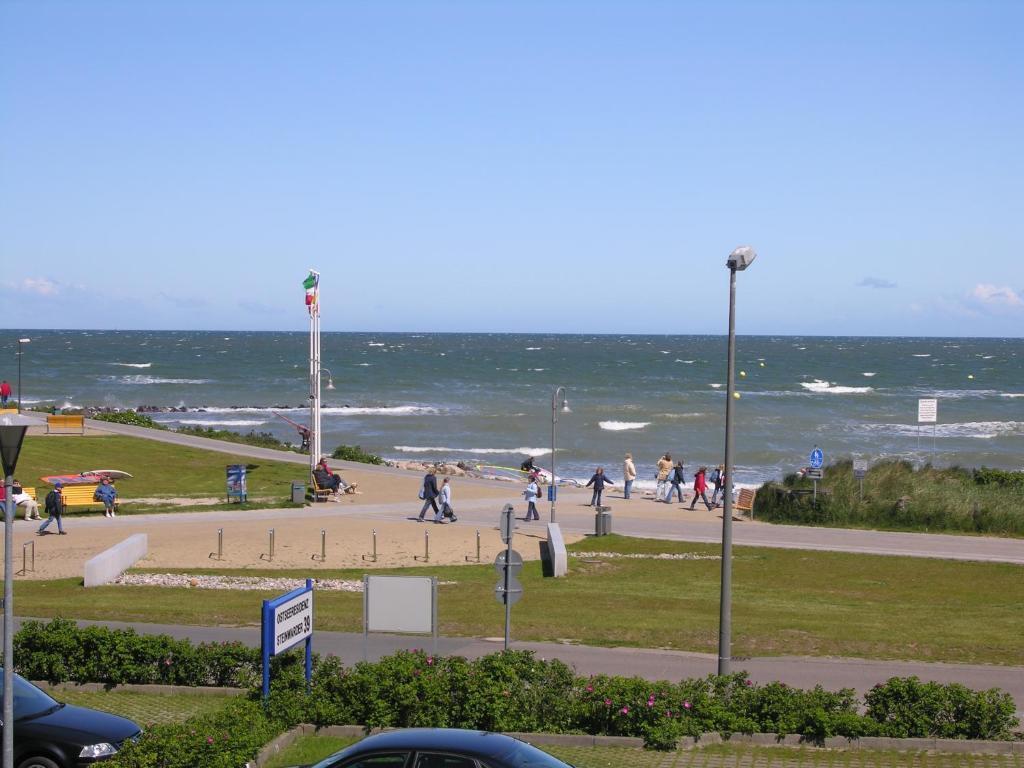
point(311, 284)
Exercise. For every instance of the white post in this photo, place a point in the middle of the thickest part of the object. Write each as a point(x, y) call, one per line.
point(314, 378)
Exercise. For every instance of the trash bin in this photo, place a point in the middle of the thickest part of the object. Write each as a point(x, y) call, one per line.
point(298, 492)
point(603, 521)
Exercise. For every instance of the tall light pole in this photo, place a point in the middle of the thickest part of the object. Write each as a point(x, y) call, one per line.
point(20, 342)
point(12, 433)
point(554, 420)
point(738, 261)
point(312, 286)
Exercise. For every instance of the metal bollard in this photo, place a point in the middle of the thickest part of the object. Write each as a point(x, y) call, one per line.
point(271, 558)
point(373, 557)
point(323, 545)
point(24, 558)
point(426, 546)
point(220, 544)
point(470, 559)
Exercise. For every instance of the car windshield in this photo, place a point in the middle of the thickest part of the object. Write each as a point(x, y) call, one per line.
point(28, 700)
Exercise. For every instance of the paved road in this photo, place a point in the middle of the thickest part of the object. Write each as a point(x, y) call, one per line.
point(631, 518)
point(804, 672)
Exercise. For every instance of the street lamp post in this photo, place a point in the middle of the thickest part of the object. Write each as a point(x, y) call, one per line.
point(738, 261)
point(20, 342)
point(554, 420)
point(12, 433)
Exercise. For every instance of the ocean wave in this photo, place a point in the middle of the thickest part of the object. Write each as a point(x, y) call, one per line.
point(532, 349)
point(619, 426)
point(687, 362)
point(221, 422)
point(982, 430)
point(920, 355)
point(1001, 394)
point(342, 410)
point(823, 386)
point(505, 451)
point(715, 386)
point(690, 415)
point(134, 365)
point(139, 378)
point(869, 374)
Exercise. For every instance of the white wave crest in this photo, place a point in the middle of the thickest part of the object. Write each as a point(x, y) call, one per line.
point(982, 430)
point(869, 374)
point(222, 422)
point(134, 365)
point(532, 349)
point(715, 386)
point(442, 449)
point(144, 379)
point(620, 426)
point(823, 386)
point(1001, 394)
point(341, 410)
point(921, 355)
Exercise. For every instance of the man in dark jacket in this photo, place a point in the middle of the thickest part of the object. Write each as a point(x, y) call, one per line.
point(54, 508)
point(599, 481)
point(429, 495)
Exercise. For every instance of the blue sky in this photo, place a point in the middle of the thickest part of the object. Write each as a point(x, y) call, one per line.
point(527, 166)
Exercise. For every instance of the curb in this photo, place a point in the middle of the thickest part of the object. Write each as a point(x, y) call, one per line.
point(951, 746)
point(165, 690)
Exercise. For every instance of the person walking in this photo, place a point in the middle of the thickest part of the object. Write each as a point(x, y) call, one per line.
point(599, 481)
point(664, 467)
point(22, 499)
point(429, 494)
point(107, 493)
point(446, 502)
point(54, 505)
point(628, 475)
point(531, 494)
point(717, 479)
point(5, 393)
point(677, 478)
point(700, 487)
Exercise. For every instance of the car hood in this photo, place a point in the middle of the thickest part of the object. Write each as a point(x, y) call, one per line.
point(80, 725)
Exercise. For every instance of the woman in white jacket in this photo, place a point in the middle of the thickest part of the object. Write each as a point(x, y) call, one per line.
point(445, 497)
point(531, 494)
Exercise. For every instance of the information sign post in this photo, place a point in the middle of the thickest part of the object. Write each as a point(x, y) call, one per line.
point(817, 461)
point(927, 413)
point(287, 621)
point(860, 469)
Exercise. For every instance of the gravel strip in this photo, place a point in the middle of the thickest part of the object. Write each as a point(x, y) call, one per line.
point(233, 582)
point(659, 556)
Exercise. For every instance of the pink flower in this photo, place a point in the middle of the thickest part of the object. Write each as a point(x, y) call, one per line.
point(650, 702)
point(686, 705)
point(430, 660)
point(748, 682)
point(590, 689)
point(625, 710)
point(209, 740)
point(607, 702)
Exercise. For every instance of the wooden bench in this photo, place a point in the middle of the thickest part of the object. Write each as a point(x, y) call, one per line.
point(57, 421)
point(319, 494)
point(82, 496)
point(745, 502)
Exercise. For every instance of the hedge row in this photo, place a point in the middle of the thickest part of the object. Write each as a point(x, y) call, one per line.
point(509, 691)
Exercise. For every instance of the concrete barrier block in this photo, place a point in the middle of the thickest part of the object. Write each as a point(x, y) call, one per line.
point(111, 563)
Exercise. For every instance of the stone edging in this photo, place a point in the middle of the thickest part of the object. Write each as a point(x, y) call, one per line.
point(167, 690)
point(956, 746)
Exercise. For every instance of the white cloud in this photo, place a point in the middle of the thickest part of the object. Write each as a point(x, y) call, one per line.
point(39, 285)
point(996, 296)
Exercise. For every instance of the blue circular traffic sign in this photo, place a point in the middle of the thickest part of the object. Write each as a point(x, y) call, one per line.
point(817, 458)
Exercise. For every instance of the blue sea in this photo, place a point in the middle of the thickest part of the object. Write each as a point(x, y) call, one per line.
point(487, 397)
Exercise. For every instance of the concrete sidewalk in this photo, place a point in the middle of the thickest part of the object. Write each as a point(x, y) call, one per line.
point(803, 672)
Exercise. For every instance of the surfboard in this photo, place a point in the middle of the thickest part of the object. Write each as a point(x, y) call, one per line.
point(85, 478)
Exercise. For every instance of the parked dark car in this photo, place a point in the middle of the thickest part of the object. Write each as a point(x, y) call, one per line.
point(441, 748)
point(48, 734)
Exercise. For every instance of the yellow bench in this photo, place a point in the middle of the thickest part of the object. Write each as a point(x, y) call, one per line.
point(319, 494)
point(82, 496)
point(8, 411)
point(745, 502)
point(59, 421)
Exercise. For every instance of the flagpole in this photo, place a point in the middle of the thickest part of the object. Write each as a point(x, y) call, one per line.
point(314, 372)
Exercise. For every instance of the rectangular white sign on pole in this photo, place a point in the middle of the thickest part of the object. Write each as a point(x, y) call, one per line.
point(292, 622)
point(927, 411)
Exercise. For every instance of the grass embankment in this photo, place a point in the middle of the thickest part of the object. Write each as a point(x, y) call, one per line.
point(785, 602)
point(158, 469)
point(309, 749)
point(145, 708)
point(899, 497)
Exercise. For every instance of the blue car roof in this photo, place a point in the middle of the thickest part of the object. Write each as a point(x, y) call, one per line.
point(477, 743)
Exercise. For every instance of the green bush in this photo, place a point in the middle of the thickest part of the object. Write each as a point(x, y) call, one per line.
point(131, 418)
point(60, 651)
point(355, 453)
point(906, 707)
point(259, 439)
point(896, 496)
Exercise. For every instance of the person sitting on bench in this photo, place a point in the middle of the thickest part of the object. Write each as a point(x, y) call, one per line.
point(330, 480)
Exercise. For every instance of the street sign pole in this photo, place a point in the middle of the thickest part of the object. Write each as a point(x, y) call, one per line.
point(508, 578)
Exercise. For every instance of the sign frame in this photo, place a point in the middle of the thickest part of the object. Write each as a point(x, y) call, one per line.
point(927, 410)
point(389, 587)
point(270, 644)
point(817, 458)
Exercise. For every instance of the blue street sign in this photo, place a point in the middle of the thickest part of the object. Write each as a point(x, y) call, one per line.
point(817, 458)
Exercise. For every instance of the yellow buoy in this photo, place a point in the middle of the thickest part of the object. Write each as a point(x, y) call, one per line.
point(743, 373)
point(736, 395)
point(970, 375)
point(762, 365)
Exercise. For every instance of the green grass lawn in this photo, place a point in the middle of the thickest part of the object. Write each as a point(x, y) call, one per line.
point(785, 602)
point(308, 749)
point(145, 708)
point(158, 469)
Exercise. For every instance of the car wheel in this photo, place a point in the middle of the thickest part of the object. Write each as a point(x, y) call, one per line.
point(38, 762)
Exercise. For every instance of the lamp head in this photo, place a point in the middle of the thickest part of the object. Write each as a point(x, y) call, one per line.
point(565, 405)
point(330, 383)
point(741, 258)
point(12, 433)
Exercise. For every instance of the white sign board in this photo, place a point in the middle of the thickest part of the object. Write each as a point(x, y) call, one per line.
point(292, 622)
point(927, 411)
point(399, 604)
point(860, 465)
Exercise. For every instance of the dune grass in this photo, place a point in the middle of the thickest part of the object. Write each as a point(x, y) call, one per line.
point(158, 469)
point(785, 602)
